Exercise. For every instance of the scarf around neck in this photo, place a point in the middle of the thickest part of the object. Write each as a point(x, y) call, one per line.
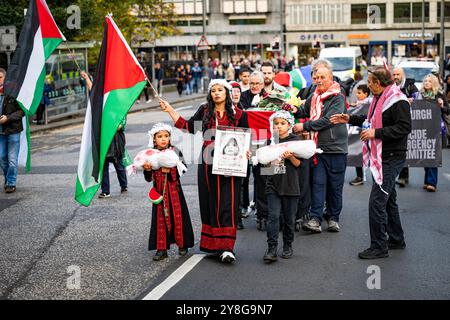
point(372, 149)
point(317, 104)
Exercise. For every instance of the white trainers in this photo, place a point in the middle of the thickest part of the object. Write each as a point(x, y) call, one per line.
point(313, 225)
point(227, 257)
point(333, 226)
point(149, 100)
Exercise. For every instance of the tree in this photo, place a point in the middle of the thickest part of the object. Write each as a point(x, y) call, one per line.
point(139, 20)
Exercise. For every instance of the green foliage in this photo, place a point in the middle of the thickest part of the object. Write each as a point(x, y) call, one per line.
point(139, 20)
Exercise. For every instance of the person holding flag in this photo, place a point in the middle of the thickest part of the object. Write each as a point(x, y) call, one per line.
point(10, 127)
point(118, 82)
point(25, 81)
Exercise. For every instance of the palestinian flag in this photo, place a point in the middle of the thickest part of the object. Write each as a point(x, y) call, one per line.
point(119, 80)
point(39, 37)
point(301, 78)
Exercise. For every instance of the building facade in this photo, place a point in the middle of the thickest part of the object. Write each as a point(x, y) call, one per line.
point(392, 29)
point(233, 27)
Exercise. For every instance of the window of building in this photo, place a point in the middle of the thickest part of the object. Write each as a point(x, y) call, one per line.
point(189, 7)
point(373, 13)
point(244, 6)
point(234, 22)
point(314, 14)
point(410, 12)
point(446, 12)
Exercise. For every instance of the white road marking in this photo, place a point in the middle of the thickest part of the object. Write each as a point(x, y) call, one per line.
point(183, 108)
point(174, 278)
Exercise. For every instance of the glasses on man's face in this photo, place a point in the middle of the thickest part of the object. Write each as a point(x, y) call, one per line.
point(254, 84)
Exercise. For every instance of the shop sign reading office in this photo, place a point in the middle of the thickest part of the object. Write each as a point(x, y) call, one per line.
point(309, 37)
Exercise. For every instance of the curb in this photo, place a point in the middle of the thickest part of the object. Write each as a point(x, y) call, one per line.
point(34, 129)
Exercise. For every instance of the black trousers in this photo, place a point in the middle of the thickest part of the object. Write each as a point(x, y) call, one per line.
point(245, 196)
point(304, 201)
point(121, 174)
point(384, 216)
point(260, 192)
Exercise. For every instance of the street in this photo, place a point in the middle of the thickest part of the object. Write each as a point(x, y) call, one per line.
point(53, 248)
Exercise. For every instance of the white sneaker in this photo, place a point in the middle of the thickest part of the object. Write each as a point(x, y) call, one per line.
point(333, 226)
point(313, 225)
point(149, 100)
point(227, 257)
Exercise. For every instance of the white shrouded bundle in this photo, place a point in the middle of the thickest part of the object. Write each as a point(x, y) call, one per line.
point(304, 149)
point(158, 159)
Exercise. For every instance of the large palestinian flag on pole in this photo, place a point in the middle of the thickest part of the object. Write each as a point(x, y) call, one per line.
point(38, 39)
point(118, 81)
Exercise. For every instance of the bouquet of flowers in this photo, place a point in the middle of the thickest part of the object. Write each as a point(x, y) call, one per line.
point(278, 100)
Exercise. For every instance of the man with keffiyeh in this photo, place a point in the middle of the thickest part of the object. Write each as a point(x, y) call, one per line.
point(384, 151)
point(328, 173)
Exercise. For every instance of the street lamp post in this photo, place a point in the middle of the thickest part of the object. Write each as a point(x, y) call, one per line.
point(423, 28)
point(205, 52)
point(442, 41)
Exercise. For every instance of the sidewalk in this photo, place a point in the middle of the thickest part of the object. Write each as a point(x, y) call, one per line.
point(171, 97)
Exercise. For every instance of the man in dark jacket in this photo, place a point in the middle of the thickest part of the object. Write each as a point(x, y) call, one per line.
point(10, 127)
point(329, 167)
point(391, 135)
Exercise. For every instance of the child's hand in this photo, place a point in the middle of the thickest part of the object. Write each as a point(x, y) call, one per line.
point(249, 154)
point(165, 170)
point(287, 155)
point(147, 166)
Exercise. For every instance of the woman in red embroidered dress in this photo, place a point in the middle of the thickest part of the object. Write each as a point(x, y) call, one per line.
point(170, 218)
point(219, 195)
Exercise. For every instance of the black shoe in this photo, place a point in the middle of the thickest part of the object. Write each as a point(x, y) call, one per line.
point(396, 245)
point(261, 224)
point(287, 252)
point(10, 189)
point(270, 255)
point(160, 255)
point(240, 225)
point(182, 251)
point(104, 195)
point(357, 181)
point(402, 182)
point(373, 254)
point(298, 225)
point(124, 189)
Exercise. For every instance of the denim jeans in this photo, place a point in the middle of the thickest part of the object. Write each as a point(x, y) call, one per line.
point(121, 174)
point(327, 185)
point(9, 156)
point(431, 176)
point(384, 216)
point(287, 207)
point(197, 84)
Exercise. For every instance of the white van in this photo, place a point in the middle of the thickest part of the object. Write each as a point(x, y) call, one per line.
point(344, 60)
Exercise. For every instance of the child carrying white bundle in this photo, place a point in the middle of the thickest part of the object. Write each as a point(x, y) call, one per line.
point(304, 149)
point(166, 158)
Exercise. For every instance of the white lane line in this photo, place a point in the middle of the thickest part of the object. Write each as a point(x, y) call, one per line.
point(183, 108)
point(174, 278)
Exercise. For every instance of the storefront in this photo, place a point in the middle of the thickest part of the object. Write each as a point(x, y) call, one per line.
point(376, 45)
point(64, 86)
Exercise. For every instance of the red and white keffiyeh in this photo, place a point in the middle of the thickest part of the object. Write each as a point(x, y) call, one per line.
point(317, 105)
point(372, 149)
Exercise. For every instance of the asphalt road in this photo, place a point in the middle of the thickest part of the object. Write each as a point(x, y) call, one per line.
point(53, 248)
